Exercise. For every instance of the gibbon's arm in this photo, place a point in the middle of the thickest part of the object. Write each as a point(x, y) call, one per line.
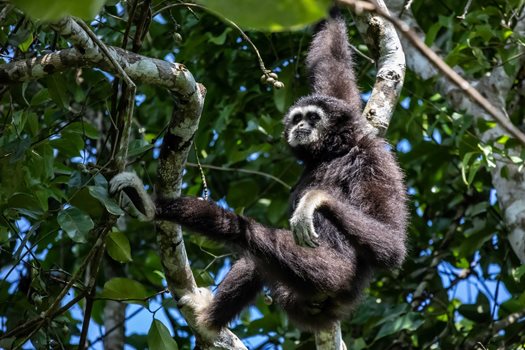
point(386, 243)
point(330, 62)
point(204, 217)
point(194, 213)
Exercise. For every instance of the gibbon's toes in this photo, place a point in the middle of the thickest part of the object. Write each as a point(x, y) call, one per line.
point(199, 301)
point(205, 321)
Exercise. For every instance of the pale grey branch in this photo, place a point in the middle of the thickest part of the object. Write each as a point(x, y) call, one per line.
point(382, 40)
point(495, 85)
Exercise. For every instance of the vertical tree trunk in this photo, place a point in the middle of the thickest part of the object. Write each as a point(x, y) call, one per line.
point(114, 313)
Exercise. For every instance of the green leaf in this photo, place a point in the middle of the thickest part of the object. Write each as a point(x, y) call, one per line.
point(57, 90)
point(238, 189)
point(42, 196)
point(159, 337)
point(478, 312)
point(219, 39)
point(19, 119)
point(516, 159)
point(409, 321)
point(358, 344)
point(40, 97)
point(137, 147)
point(7, 343)
point(17, 149)
point(86, 202)
point(54, 9)
point(284, 98)
point(117, 245)
point(101, 193)
point(69, 146)
point(75, 223)
point(32, 123)
point(464, 166)
point(83, 128)
point(24, 46)
point(518, 273)
point(270, 15)
point(4, 234)
point(126, 290)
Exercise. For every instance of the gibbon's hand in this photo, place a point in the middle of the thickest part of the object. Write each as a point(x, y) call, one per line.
point(137, 197)
point(302, 221)
point(303, 229)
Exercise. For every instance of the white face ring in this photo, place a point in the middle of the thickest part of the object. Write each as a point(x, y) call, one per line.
point(315, 134)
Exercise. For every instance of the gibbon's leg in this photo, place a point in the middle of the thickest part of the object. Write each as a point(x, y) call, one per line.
point(277, 256)
point(238, 289)
point(386, 242)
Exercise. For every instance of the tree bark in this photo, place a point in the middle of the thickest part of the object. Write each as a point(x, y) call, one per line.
point(495, 85)
point(114, 313)
point(382, 40)
point(189, 99)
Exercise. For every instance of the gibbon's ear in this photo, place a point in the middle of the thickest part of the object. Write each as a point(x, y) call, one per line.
point(330, 64)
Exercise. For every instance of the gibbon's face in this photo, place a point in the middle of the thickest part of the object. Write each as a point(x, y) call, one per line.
point(305, 125)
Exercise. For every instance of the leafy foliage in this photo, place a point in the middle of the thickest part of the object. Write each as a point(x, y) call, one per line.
point(460, 281)
point(56, 9)
point(274, 16)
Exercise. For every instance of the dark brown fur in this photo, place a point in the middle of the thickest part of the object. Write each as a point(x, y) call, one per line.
point(362, 227)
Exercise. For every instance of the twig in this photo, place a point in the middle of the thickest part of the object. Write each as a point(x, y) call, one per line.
point(135, 299)
point(263, 68)
point(203, 178)
point(455, 78)
point(123, 144)
point(408, 4)
point(114, 328)
point(467, 6)
point(240, 170)
point(86, 321)
point(362, 54)
point(90, 296)
point(5, 11)
point(37, 322)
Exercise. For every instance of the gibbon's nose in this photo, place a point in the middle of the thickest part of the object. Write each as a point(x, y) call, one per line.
point(302, 125)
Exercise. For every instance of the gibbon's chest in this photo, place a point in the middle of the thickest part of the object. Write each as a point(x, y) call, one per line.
point(342, 177)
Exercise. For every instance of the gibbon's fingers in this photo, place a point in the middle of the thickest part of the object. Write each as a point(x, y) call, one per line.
point(130, 184)
point(310, 236)
point(303, 236)
point(116, 185)
point(298, 238)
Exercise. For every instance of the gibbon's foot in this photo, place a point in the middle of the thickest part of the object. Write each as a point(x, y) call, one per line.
point(199, 301)
point(302, 221)
point(132, 186)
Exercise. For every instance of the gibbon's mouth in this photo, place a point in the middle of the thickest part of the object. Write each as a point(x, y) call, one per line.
point(301, 137)
point(301, 133)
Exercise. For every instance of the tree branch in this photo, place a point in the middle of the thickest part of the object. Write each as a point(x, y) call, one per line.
point(174, 151)
point(495, 113)
point(189, 98)
point(142, 69)
point(382, 40)
point(496, 85)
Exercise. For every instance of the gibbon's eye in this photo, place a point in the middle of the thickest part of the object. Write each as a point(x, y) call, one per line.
point(313, 117)
point(297, 118)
